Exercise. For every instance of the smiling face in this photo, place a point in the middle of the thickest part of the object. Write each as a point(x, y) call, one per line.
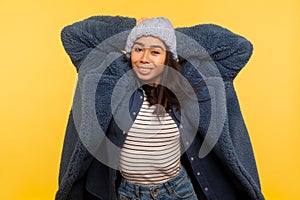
point(148, 57)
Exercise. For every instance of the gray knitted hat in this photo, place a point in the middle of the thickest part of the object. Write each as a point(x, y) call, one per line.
point(159, 27)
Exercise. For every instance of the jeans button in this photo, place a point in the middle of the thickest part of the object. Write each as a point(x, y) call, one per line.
point(154, 191)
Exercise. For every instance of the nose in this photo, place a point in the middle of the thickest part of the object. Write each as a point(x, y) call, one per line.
point(145, 56)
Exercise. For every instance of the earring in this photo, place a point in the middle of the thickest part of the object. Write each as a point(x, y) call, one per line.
point(123, 52)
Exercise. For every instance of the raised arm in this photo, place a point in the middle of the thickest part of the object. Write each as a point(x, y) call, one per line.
point(80, 38)
point(229, 51)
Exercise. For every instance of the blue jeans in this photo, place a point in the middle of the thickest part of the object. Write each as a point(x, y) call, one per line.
point(179, 187)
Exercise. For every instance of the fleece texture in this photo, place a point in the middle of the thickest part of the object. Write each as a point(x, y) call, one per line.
point(91, 49)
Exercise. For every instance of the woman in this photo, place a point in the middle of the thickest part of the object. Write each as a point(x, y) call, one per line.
point(155, 160)
point(150, 157)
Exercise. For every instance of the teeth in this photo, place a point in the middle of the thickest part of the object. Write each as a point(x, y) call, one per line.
point(143, 70)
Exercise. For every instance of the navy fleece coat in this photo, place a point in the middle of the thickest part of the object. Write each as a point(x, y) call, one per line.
point(229, 53)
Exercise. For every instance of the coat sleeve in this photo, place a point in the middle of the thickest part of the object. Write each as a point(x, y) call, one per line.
point(228, 50)
point(80, 38)
point(70, 140)
point(230, 53)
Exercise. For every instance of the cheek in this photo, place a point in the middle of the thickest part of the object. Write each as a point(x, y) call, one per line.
point(132, 62)
point(133, 59)
point(160, 60)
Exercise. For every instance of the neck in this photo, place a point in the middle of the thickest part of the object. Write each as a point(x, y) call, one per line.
point(152, 84)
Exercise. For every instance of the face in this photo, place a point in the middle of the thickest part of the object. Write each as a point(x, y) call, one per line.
point(148, 57)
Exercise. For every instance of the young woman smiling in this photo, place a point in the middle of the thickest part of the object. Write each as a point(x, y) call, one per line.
point(155, 160)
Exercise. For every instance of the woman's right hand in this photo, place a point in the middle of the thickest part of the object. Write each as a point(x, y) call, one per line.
point(141, 20)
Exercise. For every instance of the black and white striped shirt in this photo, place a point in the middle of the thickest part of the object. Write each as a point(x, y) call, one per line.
point(151, 152)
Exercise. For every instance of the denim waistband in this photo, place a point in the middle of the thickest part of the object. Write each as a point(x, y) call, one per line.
point(153, 190)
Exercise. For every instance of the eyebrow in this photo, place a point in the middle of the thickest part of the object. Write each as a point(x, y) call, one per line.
point(151, 46)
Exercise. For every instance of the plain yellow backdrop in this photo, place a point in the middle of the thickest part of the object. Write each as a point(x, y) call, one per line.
point(37, 82)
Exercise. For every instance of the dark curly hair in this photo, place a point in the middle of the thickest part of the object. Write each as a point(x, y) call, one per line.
point(171, 84)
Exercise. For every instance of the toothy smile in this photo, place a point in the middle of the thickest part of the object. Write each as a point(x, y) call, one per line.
point(144, 70)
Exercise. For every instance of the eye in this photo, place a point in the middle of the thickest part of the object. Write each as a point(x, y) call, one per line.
point(137, 49)
point(154, 52)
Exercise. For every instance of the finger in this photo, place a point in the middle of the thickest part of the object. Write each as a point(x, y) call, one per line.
point(141, 20)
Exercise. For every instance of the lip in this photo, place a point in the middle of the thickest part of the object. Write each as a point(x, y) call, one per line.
point(144, 70)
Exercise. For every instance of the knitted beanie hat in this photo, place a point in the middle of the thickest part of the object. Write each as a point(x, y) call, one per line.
point(159, 27)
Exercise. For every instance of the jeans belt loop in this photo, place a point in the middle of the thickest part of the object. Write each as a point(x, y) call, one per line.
point(136, 191)
point(170, 190)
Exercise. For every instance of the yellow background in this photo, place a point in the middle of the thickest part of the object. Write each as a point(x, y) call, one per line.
point(37, 81)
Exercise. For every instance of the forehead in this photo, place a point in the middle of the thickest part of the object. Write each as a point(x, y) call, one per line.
point(149, 41)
